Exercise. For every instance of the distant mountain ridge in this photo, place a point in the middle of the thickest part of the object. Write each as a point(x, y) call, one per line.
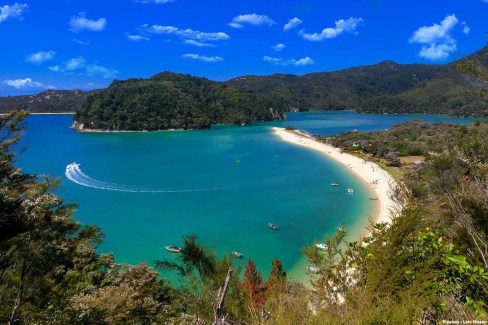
point(341, 89)
point(49, 101)
point(386, 87)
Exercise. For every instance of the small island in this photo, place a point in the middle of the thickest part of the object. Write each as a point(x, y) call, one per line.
point(170, 101)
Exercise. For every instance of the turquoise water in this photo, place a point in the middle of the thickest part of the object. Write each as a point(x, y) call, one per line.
point(223, 184)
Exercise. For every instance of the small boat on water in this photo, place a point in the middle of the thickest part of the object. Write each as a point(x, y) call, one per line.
point(322, 246)
point(237, 254)
point(173, 249)
point(350, 191)
point(274, 227)
point(313, 270)
point(340, 229)
point(334, 184)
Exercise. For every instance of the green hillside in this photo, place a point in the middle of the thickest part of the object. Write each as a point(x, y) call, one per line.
point(173, 101)
point(386, 87)
point(169, 100)
point(49, 101)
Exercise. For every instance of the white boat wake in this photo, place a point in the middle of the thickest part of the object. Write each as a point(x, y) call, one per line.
point(76, 175)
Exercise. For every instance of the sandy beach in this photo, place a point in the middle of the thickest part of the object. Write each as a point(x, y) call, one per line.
point(378, 179)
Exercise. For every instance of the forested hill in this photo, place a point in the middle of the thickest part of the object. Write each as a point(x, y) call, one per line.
point(386, 87)
point(49, 101)
point(173, 101)
point(344, 88)
point(191, 102)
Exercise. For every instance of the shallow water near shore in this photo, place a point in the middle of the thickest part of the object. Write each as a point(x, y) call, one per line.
point(146, 190)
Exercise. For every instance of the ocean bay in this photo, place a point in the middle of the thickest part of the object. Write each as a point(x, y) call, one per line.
point(223, 184)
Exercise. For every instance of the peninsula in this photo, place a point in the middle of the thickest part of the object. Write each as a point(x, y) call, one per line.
point(378, 179)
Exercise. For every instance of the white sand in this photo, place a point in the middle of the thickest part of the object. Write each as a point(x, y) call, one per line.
point(368, 171)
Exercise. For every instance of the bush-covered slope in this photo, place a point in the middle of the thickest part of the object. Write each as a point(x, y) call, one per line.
point(341, 89)
point(173, 101)
point(428, 265)
point(386, 87)
point(49, 101)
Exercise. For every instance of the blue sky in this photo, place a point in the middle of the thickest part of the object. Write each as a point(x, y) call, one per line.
point(85, 44)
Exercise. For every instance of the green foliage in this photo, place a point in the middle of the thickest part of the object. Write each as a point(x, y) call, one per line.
point(406, 139)
point(386, 87)
point(408, 269)
point(45, 256)
point(201, 276)
point(125, 296)
point(169, 100)
point(173, 101)
point(429, 264)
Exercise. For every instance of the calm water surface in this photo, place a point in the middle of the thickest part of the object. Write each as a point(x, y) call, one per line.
point(223, 184)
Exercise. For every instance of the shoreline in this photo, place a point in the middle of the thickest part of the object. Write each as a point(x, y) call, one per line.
point(366, 170)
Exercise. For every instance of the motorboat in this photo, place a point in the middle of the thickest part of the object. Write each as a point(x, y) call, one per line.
point(72, 165)
point(322, 246)
point(274, 227)
point(334, 184)
point(173, 249)
point(237, 254)
point(350, 191)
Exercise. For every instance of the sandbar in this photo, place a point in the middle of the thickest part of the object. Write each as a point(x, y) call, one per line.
point(377, 178)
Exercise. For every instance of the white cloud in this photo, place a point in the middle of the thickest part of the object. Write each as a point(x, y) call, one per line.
point(80, 23)
point(185, 33)
point(14, 11)
point(80, 41)
point(437, 40)
point(251, 19)
point(136, 38)
point(79, 65)
point(280, 61)
point(279, 47)
point(341, 26)
point(235, 25)
point(75, 63)
point(292, 23)
point(40, 56)
point(437, 51)
point(431, 34)
point(466, 28)
point(197, 43)
point(25, 83)
point(202, 58)
point(100, 70)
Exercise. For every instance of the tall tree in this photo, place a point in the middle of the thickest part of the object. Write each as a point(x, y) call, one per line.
point(45, 256)
point(277, 276)
point(253, 285)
